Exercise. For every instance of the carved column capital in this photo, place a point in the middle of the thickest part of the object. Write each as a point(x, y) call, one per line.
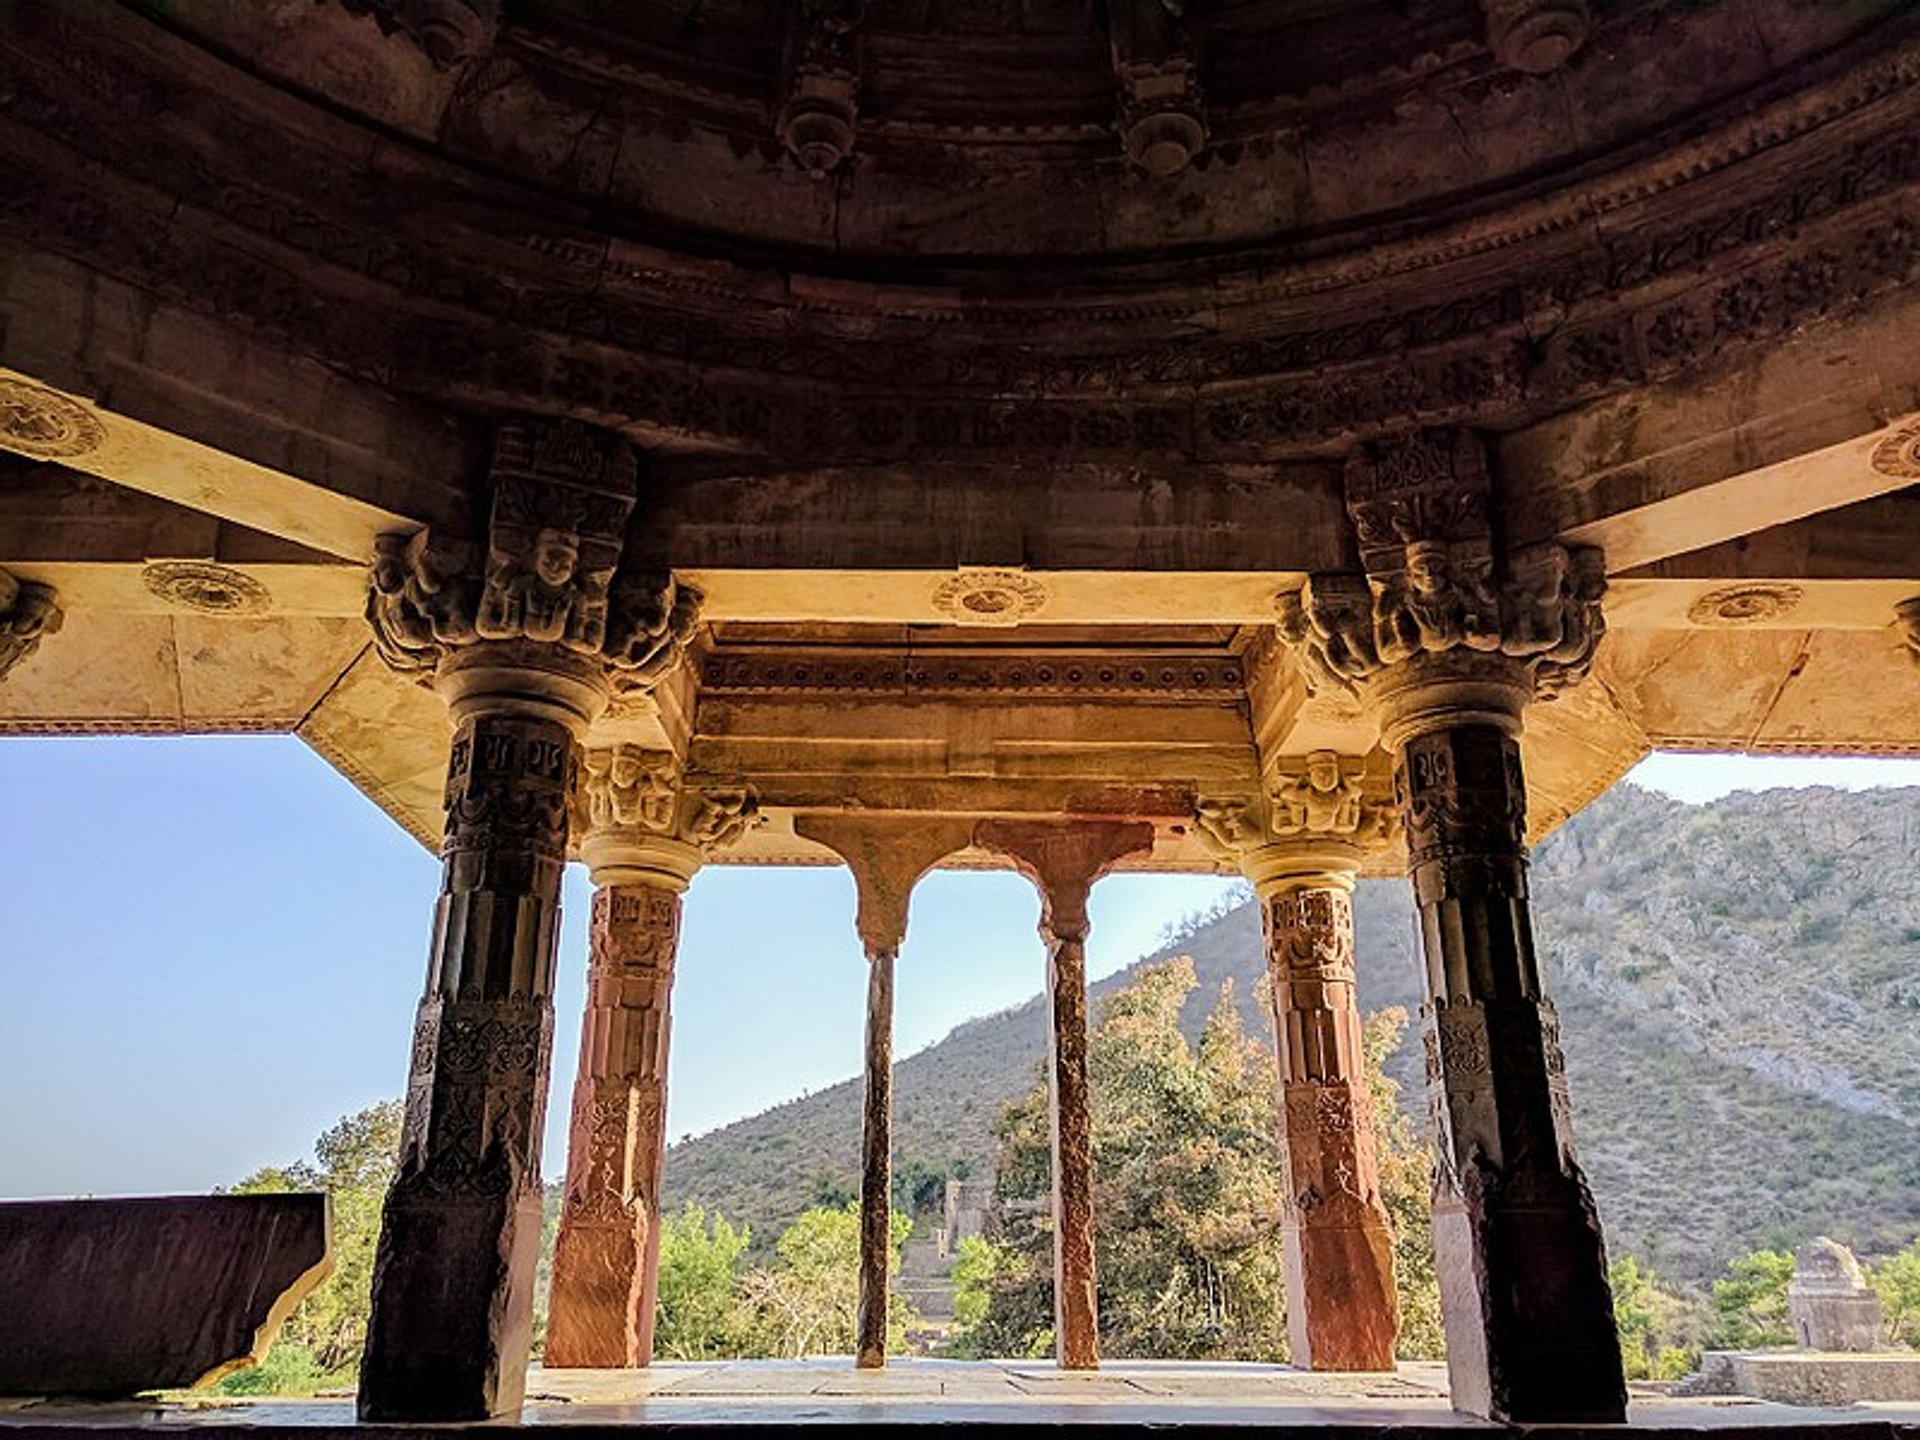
point(1315, 823)
point(1436, 585)
point(641, 823)
point(28, 611)
point(549, 580)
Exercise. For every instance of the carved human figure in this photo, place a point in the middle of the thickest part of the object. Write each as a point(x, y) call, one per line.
point(28, 611)
point(1323, 801)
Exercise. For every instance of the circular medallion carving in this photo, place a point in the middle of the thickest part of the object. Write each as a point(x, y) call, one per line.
point(1899, 454)
point(44, 424)
point(1744, 605)
point(990, 597)
point(201, 585)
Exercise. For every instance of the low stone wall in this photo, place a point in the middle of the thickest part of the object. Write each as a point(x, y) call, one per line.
point(1808, 1377)
point(112, 1297)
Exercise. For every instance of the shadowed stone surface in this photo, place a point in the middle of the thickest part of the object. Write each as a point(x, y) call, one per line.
point(111, 1297)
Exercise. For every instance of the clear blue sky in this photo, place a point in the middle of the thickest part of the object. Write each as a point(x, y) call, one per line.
point(213, 947)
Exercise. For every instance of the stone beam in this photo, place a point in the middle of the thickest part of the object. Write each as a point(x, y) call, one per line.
point(109, 548)
point(1145, 515)
point(104, 379)
point(1869, 543)
point(1818, 422)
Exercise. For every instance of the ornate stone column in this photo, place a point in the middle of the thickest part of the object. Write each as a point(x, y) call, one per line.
point(28, 611)
point(524, 636)
point(1064, 859)
point(645, 833)
point(1450, 636)
point(887, 855)
point(1301, 844)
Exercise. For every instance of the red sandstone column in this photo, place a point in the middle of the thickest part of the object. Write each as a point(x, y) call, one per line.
point(887, 855)
point(646, 836)
point(1342, 1310)
point(606, 1257)
point(1064, 860)
point(1301, 843)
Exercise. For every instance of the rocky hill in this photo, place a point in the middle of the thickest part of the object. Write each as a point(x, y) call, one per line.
point(1739, 986)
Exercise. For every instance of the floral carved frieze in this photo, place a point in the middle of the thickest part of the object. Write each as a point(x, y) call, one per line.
point(28, 611)
point(550, 570)
point(1092, 675)
point(639, 792)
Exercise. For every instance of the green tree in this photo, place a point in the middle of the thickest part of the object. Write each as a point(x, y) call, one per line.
point(1657, 1325)
point(1406, 1190)
point(1749, 1303)
point(1897, 1282)
point(355, 1161)
point(1188, 1190)
point(975, 1261)
point(807, 1302)
point(700, 1315)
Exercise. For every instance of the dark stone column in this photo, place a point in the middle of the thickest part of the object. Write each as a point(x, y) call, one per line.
point(460, 1233)
point(1523, 1270)
point(1064, 860)
point(524, 628)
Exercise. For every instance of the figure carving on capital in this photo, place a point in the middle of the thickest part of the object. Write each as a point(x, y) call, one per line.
point(28, 611)
point(561, 497)
point(1435, 582)
point(637, 790)
point(1324, 799)
point(1329, 800)
point(1906, 613)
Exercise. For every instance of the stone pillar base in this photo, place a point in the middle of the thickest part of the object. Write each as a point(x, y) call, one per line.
point(1342, 1310)
point(448, 1339)
point(596, 1266)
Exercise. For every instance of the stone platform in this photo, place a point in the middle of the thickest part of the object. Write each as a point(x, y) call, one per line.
point(1124, 1397)
point(1813, 1377)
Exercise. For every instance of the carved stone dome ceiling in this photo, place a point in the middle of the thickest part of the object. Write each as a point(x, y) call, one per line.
point(961, 230)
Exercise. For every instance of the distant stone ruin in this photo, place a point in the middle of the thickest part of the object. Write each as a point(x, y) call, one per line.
point(1829, 1301)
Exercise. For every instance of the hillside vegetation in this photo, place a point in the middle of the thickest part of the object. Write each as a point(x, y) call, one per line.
point(1739, 986)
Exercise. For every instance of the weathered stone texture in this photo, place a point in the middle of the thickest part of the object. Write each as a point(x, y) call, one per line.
point(110, 1297)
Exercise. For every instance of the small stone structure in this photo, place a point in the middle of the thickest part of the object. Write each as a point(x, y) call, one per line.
point(1829, 1302)
point(967, 1205)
